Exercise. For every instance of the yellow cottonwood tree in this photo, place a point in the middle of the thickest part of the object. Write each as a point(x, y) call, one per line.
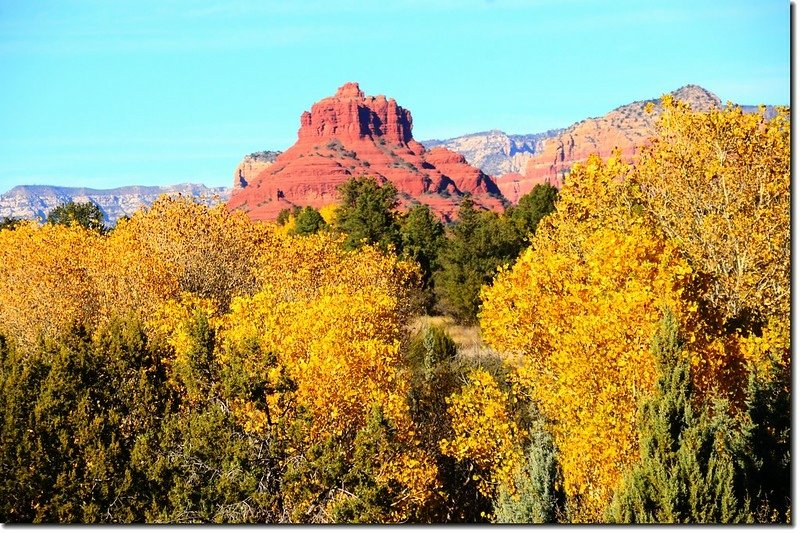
point(484, 432)
point(330, 322)
point(130, 278)
point(718, 184)
point(210, 250)
point(328, 213)
point(45, 280)
point(575, 316)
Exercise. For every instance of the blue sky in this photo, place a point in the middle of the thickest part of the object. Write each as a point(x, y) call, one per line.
point(111, 93)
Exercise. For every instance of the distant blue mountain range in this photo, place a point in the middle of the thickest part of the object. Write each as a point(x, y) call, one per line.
point(35, 201)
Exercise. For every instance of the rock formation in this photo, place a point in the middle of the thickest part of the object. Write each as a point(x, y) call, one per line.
point(350, 135)
point(36, 201)
point(251, 166)
point(626, 128)
point(496, 152)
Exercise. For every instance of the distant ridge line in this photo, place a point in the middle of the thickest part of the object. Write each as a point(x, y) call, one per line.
point(36, 201)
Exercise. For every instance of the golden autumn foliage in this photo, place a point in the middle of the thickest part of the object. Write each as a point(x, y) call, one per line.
point(699, 227)
point(299, 268)
point(575, 316)
point(211, 251)
point(171, 324)
point(316, 329)
point(302, 346)
point(484, 432)
point(129, 277)
point(287, 228)
point(46, 284)
point(330, 321)
point(55, 276)
point(718, 184)
point(328, 213)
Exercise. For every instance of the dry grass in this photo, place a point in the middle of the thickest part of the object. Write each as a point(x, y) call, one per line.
point(467, 338)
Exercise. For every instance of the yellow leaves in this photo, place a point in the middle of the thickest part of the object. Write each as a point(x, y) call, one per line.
point(341, 349)
point(46, 283)
point(249, 417)
point(298, 337)
point(54, 276)
point(287, 227)
point(575, 316)
point(210, 250)
point(594, 191)
point(171, 320)
point(417, 473)
point(718, 184)
point(330, 322)
point(297, 268)
point(484, 432)
point(328, 213)
point(769, 350)
point(699, 226)
point(128, 276)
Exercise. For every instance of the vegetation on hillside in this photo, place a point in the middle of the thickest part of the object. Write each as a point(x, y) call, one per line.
point(192, 366)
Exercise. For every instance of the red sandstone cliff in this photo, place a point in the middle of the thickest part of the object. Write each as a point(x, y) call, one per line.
point(350, 135)
point(626, 128)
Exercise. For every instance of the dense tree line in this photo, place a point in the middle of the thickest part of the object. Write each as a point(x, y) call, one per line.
point(456, 260)
point(626, 246)
point(191, 366)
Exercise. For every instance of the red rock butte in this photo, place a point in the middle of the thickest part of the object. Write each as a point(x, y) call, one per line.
point(349, 135)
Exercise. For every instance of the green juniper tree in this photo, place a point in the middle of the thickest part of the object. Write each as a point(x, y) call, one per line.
point(200, 466)
point(689, 470)
point(537, 500)
point(532, 208)
point(307, 221)
point(422, 236)
point(86, 214)
point(478, 243)
point(74, 409)
point(766, 433)
point(9, 223)
point(366, 214)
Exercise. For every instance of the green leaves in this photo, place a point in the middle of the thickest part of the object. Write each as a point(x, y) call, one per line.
point(690, 470)
point(87, 215)
point(366, 213)
point(73, 409)
point(537, 498)
point(479, 243)
point(307, 221)
point(422, 238)
point(203, 469)
point(532, 208)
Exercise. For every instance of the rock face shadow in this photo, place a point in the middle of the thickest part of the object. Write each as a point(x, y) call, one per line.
point(351, 134)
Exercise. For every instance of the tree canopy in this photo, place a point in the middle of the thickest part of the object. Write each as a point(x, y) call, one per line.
point(85, 214)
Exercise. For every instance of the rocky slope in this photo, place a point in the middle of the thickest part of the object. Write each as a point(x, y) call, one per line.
point(519, 162)
point(496, 152)
point(350, 135)
point(251, 166)
point(626, 128)
point(35, 201)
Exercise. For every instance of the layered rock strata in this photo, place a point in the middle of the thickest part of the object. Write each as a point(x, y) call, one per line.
point(350, 135)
